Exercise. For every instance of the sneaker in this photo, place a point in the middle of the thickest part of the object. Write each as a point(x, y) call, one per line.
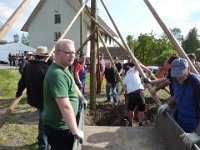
point(115, 104)
point(129, 124)
point(140, 124)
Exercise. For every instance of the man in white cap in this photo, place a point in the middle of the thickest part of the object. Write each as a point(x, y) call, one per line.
point(186, 87)
point(32, 79)
point(61, 99)
point(24, 61)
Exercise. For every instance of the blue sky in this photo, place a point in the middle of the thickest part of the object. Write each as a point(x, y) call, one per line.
point(131, 16)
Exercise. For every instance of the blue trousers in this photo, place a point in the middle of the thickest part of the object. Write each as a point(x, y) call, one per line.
point(112, 88)
point(42, 138)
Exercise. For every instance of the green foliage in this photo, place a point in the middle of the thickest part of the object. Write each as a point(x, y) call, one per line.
point(149, 48)
point(192, 43)
point(8, 84)
point(177, 34)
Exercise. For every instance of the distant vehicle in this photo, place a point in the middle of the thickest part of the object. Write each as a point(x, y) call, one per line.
point(153, 69)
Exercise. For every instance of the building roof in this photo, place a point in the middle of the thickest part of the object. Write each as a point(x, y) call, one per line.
point(13, 48)
point(16, 47)
point(115, 52)
point(75, 4)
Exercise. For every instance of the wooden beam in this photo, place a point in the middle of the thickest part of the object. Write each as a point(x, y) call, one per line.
point(8, 24)
point(170, 36)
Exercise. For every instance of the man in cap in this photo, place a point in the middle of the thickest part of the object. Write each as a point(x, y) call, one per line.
point(24, 61)
point(32, 78)
point(119, 69)
point(61, 99)
point(186, 87)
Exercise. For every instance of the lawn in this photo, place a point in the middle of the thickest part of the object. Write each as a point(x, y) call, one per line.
point(20, 130)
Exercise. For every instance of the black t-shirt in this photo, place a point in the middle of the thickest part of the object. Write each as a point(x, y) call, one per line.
point(118, 66)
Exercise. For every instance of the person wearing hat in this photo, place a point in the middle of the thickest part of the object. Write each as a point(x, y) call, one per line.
point(32, 79)
point(186, 87)
point(24, 61)
point(119, 69)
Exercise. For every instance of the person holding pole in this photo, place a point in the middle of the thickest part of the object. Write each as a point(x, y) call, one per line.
point(133, 88)
point(61, 99)
point(32, 78)
point(186, 87)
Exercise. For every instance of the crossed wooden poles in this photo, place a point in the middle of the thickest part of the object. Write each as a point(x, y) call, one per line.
point(124, 47)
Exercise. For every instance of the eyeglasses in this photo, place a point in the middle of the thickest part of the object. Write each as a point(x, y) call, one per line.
point(67, 53)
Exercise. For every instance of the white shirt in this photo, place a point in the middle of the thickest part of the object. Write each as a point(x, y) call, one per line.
point(132, 80)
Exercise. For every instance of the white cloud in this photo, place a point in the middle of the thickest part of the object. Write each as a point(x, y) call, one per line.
point(5, 12)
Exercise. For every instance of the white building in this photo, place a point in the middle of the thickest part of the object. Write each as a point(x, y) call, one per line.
point(51, 17)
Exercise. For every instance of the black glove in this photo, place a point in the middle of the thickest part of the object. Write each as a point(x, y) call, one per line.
point(147, 80)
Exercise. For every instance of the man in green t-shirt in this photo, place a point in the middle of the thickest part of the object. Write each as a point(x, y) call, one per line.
point(61, 99)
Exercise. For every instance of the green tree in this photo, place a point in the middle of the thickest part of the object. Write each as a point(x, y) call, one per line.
point(177, 34)
point(132, 43)
point(191, 44)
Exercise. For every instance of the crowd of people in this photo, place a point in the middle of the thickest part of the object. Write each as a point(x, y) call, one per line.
point(58, 94)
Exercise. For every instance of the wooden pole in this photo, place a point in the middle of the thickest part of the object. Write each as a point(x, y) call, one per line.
point(81, 27)
point(173, 40)
point(10, 109)
point(17, 100)
point(131, 54)
point(109, 55)
point(13, 18)
point(93, 58)
point(68, 28)
point(85, 42)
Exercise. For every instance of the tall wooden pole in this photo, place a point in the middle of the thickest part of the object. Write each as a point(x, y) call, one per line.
point(81, 27)
point(13, 18)
point(93, 58)
point(170, 36)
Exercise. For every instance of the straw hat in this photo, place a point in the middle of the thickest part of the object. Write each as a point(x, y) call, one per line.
point(42, 51)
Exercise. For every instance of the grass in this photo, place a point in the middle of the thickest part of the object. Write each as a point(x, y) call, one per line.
point(20, 130)
point(8, 84)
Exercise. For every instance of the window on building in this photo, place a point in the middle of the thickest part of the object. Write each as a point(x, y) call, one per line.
point(110, 40)
point(57, 36)
point(57, 18)
point(106, 38)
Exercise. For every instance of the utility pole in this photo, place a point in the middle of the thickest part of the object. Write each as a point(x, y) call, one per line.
point(93, 58)
point(13, 18)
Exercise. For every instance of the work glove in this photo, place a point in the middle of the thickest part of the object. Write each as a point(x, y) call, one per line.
point(84, 101)
point(190, 139)
point(162, 108)
point(79, 135)
point(147, 80)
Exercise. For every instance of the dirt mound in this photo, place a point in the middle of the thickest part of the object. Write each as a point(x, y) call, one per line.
point(106, 114)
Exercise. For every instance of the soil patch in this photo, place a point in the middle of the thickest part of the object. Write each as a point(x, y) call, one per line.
point(106, 114)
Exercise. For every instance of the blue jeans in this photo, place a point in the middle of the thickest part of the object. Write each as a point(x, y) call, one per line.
point(42, 138)
point(117, 87)
point(115, 95)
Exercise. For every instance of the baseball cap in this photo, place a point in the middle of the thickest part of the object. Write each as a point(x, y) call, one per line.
point(178, 67)
point(115, 58)
point(29, 53)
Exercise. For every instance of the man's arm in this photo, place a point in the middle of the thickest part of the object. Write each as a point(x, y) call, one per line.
point(67, 113)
